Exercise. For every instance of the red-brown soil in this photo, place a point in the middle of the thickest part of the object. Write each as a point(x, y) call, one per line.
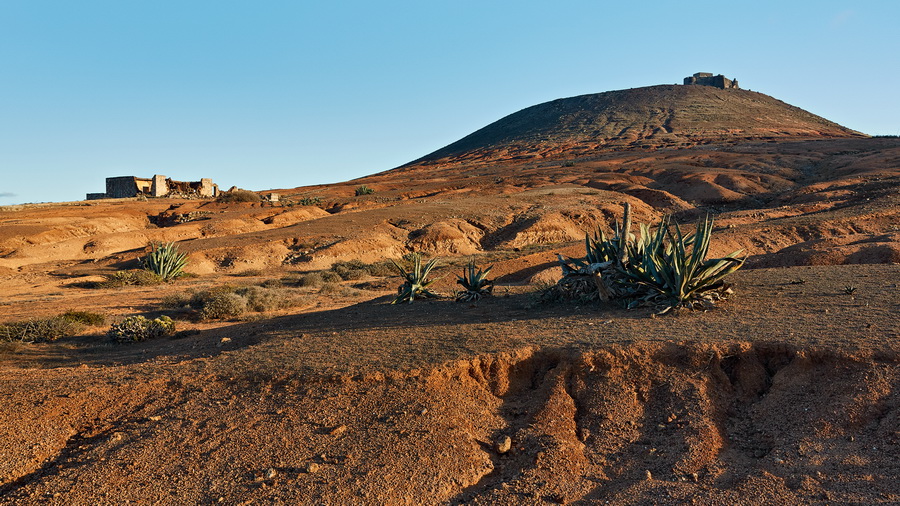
point(788, 393)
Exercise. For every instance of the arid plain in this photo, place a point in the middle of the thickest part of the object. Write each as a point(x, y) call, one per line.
point(787, 393)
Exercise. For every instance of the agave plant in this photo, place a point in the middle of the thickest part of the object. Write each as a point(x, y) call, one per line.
point(674, 268)
point(165, 261)
point(416, 281)
point(663, 267)
point(474, 282)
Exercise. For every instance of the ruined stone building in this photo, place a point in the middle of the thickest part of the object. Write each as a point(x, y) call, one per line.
point(707, 79)
point(121, 187)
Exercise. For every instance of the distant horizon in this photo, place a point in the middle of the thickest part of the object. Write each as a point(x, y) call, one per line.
point(281, 94)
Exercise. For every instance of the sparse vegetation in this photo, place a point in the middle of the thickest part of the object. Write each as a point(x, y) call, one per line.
point(364, 190)
point(139, 328)
point(310, 201)
point(416, 280)
point(238, 196)
point(39, 330)
point(84, 317)
point(232, 302)
point(663, 268)
point(474, 282)
point(849, 290)
point(133, 277)
point(165, 261)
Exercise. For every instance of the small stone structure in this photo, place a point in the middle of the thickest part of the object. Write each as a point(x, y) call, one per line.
point(707, 79)
point(121, 187)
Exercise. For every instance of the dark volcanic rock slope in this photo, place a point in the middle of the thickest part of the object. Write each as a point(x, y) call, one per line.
point(667, 115)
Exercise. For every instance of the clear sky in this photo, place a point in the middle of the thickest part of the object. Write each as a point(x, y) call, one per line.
point(277, 94)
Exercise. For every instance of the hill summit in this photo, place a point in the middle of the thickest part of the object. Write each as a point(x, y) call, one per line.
point(653, 116)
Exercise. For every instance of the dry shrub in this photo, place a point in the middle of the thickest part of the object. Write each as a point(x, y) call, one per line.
point(356, 269)
point(238, 196)
point(261, 299)
point(311, 279)
point(330, 288)
point(233, 302)
point(84, 317)
point(272, 283)
point(133, 277)
point(38, 330)
point(222, 305)
point(331, 277)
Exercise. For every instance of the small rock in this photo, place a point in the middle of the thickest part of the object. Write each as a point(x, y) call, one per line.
point(695, 477)
point(778, 461)
point(154, 418)
point(649, 475)
point(312, 467)
point(424, 411)
point(224, 341)
point(337, 431)
point(271, 473)
point(503, 444)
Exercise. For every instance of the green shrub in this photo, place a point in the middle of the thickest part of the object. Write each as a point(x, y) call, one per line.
point(84, 317)
point(38, 330)
point(474, 282)
point(165, 261)
point(134, 277)
point(310, 201)
point(416, 280)
point(138, 328)
point(363, 190)
point(238, 196)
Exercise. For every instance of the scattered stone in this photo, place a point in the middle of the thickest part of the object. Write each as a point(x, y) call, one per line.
point(337, 431)
point(503, 444)
point(424, 411)
point(778, 461)
point(271, 473)
point(649, 474)
point(154, 418)
point(312, 467)
point(224, 341)
point(695, 477)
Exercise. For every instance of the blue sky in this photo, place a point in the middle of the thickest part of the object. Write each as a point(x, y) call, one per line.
point(278, 94)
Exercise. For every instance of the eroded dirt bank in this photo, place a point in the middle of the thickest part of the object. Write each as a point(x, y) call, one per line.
point(725, 423)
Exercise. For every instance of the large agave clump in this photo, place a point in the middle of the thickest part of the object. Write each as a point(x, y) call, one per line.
point(664, 267)
point(475, 283)
point(416, 281)
point(165, 261)
point(674, 268)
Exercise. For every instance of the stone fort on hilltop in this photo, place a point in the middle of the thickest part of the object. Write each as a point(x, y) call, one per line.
point(707, 79)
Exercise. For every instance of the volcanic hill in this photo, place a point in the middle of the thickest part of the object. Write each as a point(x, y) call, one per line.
point(314, 390)
point(654, 116)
